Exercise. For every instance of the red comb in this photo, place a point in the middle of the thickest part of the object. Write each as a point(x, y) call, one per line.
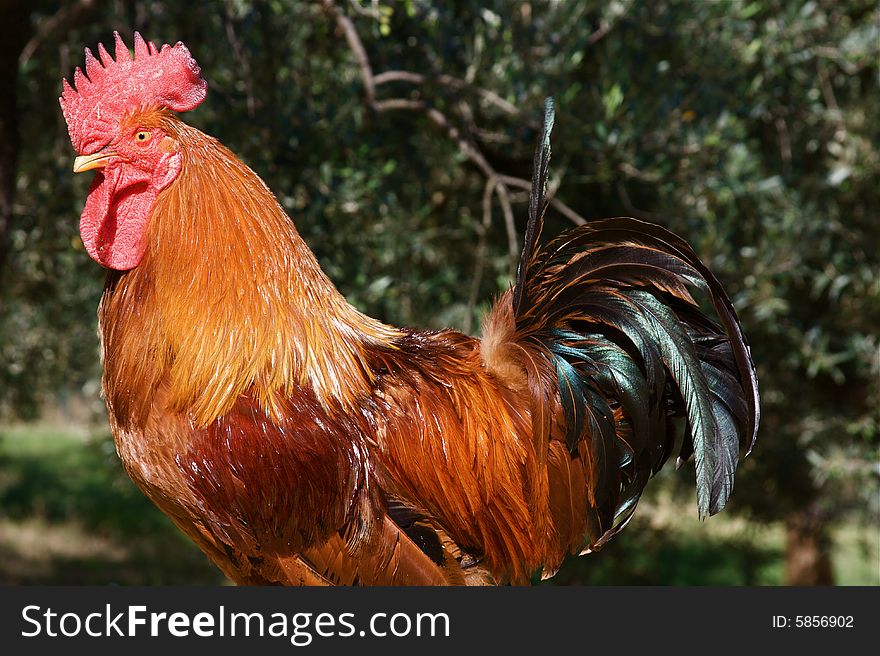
point(169, 77)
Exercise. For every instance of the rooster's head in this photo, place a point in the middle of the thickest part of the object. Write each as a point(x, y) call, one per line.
point(118, 119)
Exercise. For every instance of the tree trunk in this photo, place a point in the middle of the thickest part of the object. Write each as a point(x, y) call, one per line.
point(807, 548)
point(14, 32)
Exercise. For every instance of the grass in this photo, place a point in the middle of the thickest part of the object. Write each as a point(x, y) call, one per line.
point(665, 544)
point(856, 558)
point(70, 515)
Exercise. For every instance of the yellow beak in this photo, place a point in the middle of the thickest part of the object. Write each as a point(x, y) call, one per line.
point(89, 162)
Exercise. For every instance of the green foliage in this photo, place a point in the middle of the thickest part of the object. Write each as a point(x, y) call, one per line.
point(749, 128)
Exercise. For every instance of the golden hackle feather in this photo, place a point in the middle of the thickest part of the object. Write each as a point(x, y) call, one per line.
point(229, 299)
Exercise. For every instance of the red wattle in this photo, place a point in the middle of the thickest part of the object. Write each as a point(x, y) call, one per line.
point(114, 221)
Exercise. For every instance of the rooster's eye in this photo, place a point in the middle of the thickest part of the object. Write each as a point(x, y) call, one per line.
point(142, 137)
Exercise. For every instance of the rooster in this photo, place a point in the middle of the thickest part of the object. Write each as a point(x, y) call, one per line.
point(298, 441)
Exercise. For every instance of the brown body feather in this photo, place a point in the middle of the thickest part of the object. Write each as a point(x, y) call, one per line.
point(297, 441)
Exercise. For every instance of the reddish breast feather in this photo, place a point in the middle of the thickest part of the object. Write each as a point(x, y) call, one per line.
point(275, 488)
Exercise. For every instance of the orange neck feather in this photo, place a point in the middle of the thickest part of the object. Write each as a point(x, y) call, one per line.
point(228, 300)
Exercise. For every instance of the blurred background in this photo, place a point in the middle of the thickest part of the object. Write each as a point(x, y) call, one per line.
point(748, 127)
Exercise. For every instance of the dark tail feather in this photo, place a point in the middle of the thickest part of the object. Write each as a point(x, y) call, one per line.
point(622, 229)
point(537, 204)
point(609, 307)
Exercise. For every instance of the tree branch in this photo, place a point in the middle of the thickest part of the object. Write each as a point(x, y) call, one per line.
point(495, 182)
point(632, 209)
point(439, 119)
point(599, 34)
point(557, 204)
point(473, 153)
point(53, 27)
point(448, 81)
point(357, 48)
point(479, 256)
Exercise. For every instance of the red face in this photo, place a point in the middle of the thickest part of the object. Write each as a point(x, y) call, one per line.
point(132, 169)
point(114, 113)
